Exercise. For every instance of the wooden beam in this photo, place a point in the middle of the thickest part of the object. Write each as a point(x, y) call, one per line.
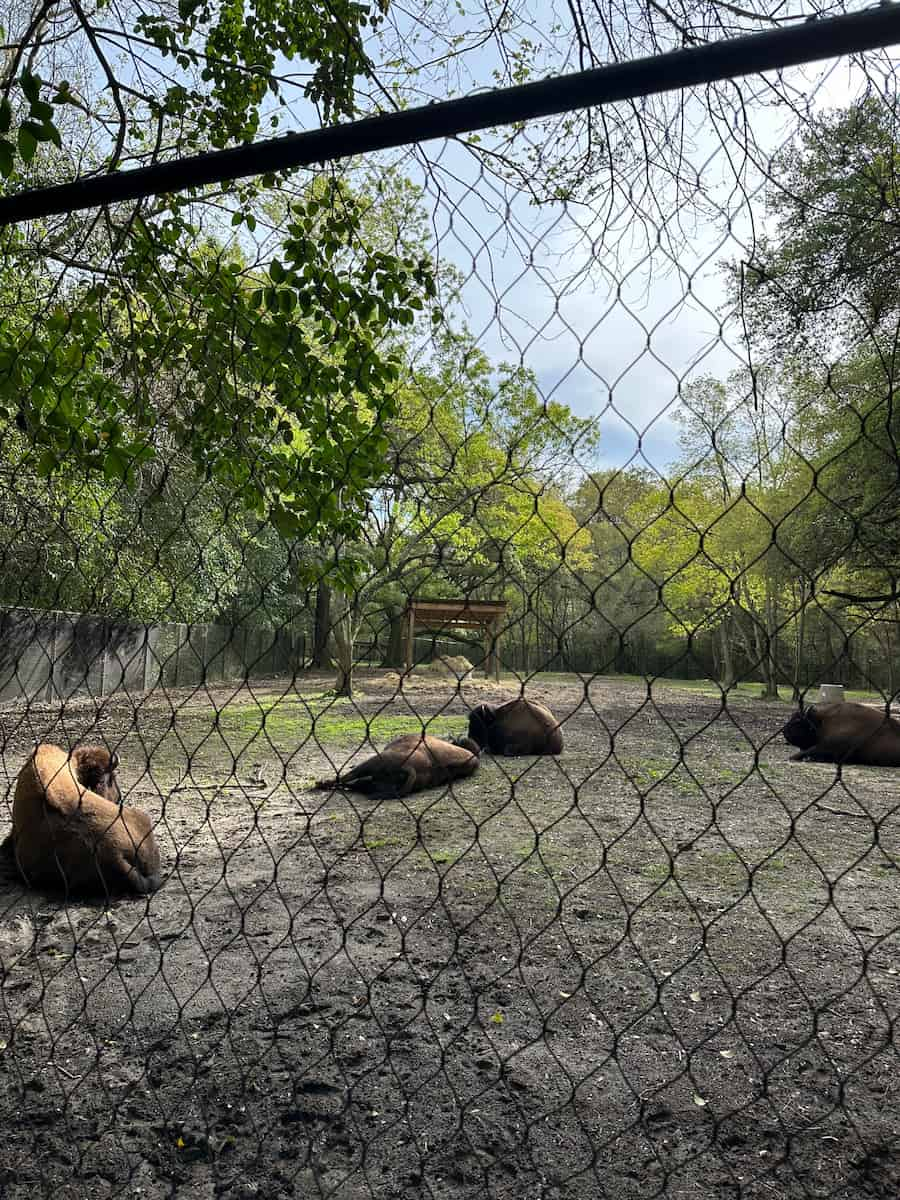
point(410, 634)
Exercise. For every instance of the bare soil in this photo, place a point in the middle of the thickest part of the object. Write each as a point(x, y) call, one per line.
point(664, 964)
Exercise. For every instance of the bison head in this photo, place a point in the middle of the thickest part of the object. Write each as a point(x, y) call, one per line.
point(802, 730)
point(95, 768)
point(480, 720)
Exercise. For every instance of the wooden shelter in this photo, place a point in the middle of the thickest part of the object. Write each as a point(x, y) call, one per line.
point(485, 615)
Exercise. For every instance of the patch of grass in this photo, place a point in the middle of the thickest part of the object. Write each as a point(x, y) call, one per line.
point(379, 843)
point(447, 855)
point(290, 723)
point(656, 870)
point(644, 773)
point(383, 729)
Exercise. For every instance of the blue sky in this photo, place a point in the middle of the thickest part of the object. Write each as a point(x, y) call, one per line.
point(628, 324)
point(618, 341)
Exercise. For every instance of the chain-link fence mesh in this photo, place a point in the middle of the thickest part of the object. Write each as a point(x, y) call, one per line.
point(595, 413)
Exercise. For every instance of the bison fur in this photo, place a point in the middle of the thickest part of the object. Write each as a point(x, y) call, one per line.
point(409, 764)
point(70, 830)
point(517, 727)
point(844, 732)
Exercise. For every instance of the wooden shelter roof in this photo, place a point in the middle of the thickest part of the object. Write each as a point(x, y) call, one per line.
point(465, 613)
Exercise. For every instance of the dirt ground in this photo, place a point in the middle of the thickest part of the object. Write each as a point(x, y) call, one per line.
point(665, 964)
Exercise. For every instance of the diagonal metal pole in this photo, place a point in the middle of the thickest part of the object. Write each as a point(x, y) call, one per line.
point(807, 41)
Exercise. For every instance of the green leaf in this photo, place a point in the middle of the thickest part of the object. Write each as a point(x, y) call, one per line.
point(7, 158)
point(284, 521)
point(5, 115)
point(27, 143)
point(49, 133)
point(115, 464)
point(37, 130)
point(47, 464)
point(31, 86)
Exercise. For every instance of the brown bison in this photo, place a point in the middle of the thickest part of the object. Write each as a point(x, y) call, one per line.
point(844, 733)
point(518, 727)
point(70, 830)
point(408, 764)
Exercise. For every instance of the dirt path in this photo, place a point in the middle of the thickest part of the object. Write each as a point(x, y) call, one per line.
point(665, 964)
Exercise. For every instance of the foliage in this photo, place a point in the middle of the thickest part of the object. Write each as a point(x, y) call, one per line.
point(821, 306)
point(825, 279)
point(472, 502)
point(278, 386)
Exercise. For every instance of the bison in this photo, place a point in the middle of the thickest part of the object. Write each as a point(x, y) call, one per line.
point(844, 732)
point(71, 831)
point(517, 727)
point(409, 764)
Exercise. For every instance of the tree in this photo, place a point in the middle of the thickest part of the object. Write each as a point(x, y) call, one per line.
point(306, 351)
point(725, 538)
point(471, 499)
point(823, 282)
point(155, 288)
point(821, 301)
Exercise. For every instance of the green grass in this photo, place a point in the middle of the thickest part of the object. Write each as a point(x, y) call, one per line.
point(748, 688)
point(291, 721)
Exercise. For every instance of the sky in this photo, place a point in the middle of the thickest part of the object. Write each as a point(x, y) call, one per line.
point(620, 340)
point(606, 329)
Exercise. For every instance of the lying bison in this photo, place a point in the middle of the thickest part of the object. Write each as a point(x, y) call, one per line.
point(844, 733)
point(409, 764)
point(70, 830)
point(518, 727)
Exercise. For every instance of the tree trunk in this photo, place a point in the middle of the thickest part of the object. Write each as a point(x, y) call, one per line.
point(890, 664)
point(322, 629)
point(796, 688)
point(727, 668)
point(767, 647)
point(343, 629)
point(393, 655)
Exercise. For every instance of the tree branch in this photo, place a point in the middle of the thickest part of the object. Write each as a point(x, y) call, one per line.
point(855, 598)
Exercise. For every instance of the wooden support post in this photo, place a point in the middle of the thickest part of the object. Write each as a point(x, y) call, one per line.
point(496, 650)
point(410, 634)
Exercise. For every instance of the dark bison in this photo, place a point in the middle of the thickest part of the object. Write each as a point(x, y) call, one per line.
point(408, 764)
point(844, 733)
point(71, 831)
point(518, 727)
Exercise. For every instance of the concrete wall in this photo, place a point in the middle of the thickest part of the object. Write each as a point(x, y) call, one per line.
point(50, 656)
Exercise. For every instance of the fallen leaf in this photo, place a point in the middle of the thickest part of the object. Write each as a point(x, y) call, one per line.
point(727, 1053)
point(699, 1101)
point(696, 997)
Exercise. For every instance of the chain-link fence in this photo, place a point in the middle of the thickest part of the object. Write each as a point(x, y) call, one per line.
point(582, 424)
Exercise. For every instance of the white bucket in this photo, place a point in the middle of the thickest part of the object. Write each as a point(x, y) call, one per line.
point(831, 693)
